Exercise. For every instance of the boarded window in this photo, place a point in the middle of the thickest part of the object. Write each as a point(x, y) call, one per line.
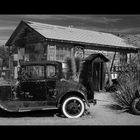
point(34, 72)
point(62, 53)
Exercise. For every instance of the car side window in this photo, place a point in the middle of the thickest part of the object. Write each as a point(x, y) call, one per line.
point(35, 72)
point(50, 71)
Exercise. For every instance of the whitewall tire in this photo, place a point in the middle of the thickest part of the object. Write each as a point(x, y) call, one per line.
point(73, 107)
point(135, 106)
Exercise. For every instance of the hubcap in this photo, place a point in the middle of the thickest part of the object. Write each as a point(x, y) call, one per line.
point(73, 107)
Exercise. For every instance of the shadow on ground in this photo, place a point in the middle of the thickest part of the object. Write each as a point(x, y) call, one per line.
point(37, 113)
point(113, 107)
point(40, 113)
point(116, 108)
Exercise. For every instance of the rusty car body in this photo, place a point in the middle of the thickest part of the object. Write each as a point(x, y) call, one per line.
point(41, 86)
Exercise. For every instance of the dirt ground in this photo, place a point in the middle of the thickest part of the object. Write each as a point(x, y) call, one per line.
point(100, 114)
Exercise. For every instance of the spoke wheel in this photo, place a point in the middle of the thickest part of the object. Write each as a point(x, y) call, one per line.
point(73, 107)
point(136, 106)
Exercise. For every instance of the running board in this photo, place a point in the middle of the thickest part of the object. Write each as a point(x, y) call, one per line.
point(35, 108)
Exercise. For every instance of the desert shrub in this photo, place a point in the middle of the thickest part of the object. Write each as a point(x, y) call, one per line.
point(127, 88)
point(73, 68)
point(69, 73)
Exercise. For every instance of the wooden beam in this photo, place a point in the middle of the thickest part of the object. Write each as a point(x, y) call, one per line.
point(112, 61)
point(94, 46)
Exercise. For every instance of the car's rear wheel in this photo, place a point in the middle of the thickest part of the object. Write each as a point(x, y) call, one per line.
point(136, 106)
point(73, 107)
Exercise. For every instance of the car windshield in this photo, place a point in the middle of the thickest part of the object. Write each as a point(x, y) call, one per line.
point(34, 72)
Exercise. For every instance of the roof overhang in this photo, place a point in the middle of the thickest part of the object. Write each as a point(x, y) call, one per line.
point(15, 33)
point(93, 46)
point(92, 57)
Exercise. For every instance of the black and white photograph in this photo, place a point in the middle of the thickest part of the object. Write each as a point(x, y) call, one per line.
point(69, 69)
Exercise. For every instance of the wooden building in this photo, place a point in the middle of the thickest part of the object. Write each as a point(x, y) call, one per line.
point(33, 41)
point(3, 61)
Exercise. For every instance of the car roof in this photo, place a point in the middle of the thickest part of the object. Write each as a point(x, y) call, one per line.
point(41, 63)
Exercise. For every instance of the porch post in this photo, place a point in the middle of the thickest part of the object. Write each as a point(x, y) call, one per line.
point(112, 61)
point(109, 71)
point(9, 52)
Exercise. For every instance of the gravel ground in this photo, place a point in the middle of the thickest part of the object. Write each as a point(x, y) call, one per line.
point(100, 114)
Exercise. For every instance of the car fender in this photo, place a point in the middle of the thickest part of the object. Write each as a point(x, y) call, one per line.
point(86, 100)
point(5, 105)
point(75, 92)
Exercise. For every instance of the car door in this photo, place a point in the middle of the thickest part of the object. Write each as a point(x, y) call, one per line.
point(51, 81)
point(34, 88)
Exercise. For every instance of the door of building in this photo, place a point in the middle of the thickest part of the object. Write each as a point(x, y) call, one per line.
point(92, 75)
point(97, 75)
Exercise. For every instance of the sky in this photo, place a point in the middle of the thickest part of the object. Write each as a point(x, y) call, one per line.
point(129, 24)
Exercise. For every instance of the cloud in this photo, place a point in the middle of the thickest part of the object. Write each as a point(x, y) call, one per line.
point(103, 23)
point(111, 29)
point(38, 17)
point(107, 20)
point(126, 30)
point(7, 27)
point(2, 42)
point(74, 17)
point(9, 22)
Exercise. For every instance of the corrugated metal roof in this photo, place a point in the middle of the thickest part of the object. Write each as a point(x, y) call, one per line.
point(78, 35)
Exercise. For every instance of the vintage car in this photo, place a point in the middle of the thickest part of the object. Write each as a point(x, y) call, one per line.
point(41, 86)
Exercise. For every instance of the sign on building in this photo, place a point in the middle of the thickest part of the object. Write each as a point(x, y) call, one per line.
point(79, 52)
point(124, 68)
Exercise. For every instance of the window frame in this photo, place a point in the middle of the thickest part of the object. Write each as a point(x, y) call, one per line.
point(56, 71)
point(38, 78)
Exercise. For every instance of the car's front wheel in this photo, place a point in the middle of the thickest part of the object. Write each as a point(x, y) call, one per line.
point(73, 107)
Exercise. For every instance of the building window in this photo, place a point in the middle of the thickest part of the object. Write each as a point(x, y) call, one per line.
point(51, 52)
point(123, 58)
point(62, 53)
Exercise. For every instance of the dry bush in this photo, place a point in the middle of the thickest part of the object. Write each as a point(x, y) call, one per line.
point(69, 73)
point(127, 89)
point(73, 68)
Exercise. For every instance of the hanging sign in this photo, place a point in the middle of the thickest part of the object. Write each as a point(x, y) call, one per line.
point(79, 52)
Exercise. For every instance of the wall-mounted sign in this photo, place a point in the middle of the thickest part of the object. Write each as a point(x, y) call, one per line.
point(51, 55)
point(124, 68)
point(79, 52)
